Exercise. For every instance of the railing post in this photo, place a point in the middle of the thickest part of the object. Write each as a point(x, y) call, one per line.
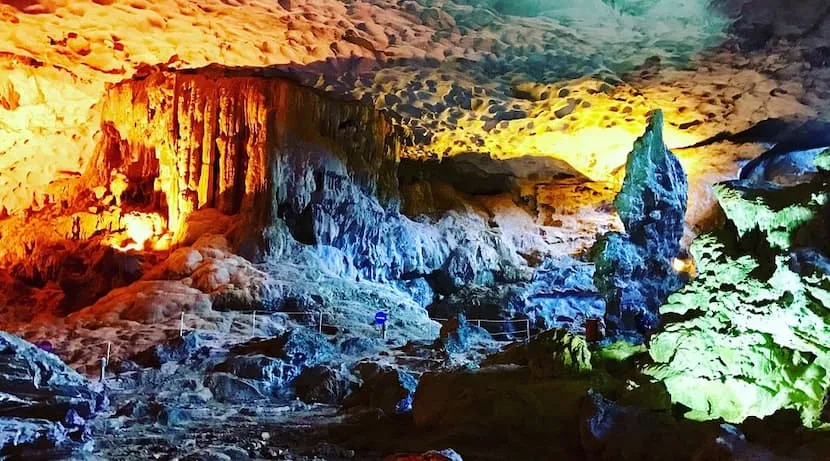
point(478, 323)
point(253, 323)
point(320, 323)
point(103, 369)
point(181, 325)
point(527, 328)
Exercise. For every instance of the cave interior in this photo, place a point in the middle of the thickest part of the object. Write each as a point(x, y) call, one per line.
point(415, 230)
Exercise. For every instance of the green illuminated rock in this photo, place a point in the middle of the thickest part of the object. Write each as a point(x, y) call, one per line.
point(551, 354)
point(750, 335)
point(634, 269)
point(777, 212)
point(823, 160)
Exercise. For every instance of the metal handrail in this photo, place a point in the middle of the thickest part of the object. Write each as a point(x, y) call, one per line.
point(478, 323)
point(253, 315)
point(320, 316)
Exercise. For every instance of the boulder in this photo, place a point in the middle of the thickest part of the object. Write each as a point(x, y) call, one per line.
point(177, 350)
point(388, 389)
point(358, 346)
point(245, 378)
point(41, 399)
point(634, 269)
point(268, 368)
point(552, 354)
point(229, 388)
point(36, 384)
point(18, 435)
point(458, 336)
point(298, 346)
point(321, 384)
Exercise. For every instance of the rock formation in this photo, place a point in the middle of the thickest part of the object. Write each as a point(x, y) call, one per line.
point(634, 270)
point(227, 197)
point(43, 403)
point(212, 138)
point(749, 335)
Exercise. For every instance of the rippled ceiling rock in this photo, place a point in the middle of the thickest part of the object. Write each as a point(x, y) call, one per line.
point(465, 76)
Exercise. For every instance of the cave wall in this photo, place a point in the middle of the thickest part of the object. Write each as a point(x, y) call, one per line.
point(208, 138)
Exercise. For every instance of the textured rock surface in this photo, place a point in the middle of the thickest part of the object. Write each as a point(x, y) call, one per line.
point(155, 127)
point(614, 432)
point(469, 80)
point(144, 302)
point(178, 350)
point(466, 78)
point(376, 49)
point(390, 390)
point(42, 401)
point(749, 336)
point(457, 335)
point(779, 218)
point(18, 436)
point(561, 294)
point(321, 384)
point(266, 369)
point(552, 354)
point(507, 404)
point(634, 270)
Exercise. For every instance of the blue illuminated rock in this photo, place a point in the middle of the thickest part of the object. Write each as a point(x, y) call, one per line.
point(42, 401)
point(561, 295)
point(384, 388)
point(458, 336)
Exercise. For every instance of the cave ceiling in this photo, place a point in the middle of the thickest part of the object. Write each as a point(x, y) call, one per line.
point(509, 80)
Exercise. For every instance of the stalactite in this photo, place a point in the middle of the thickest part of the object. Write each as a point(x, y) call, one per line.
point(208, 136)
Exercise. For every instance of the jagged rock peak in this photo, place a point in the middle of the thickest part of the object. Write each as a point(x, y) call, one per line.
point(634, 270)
point(652, 201)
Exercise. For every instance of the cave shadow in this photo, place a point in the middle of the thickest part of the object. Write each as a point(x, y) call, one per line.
point(481, 174)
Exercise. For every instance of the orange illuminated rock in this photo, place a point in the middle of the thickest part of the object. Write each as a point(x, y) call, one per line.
point(185, 140)
point(144, 302)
